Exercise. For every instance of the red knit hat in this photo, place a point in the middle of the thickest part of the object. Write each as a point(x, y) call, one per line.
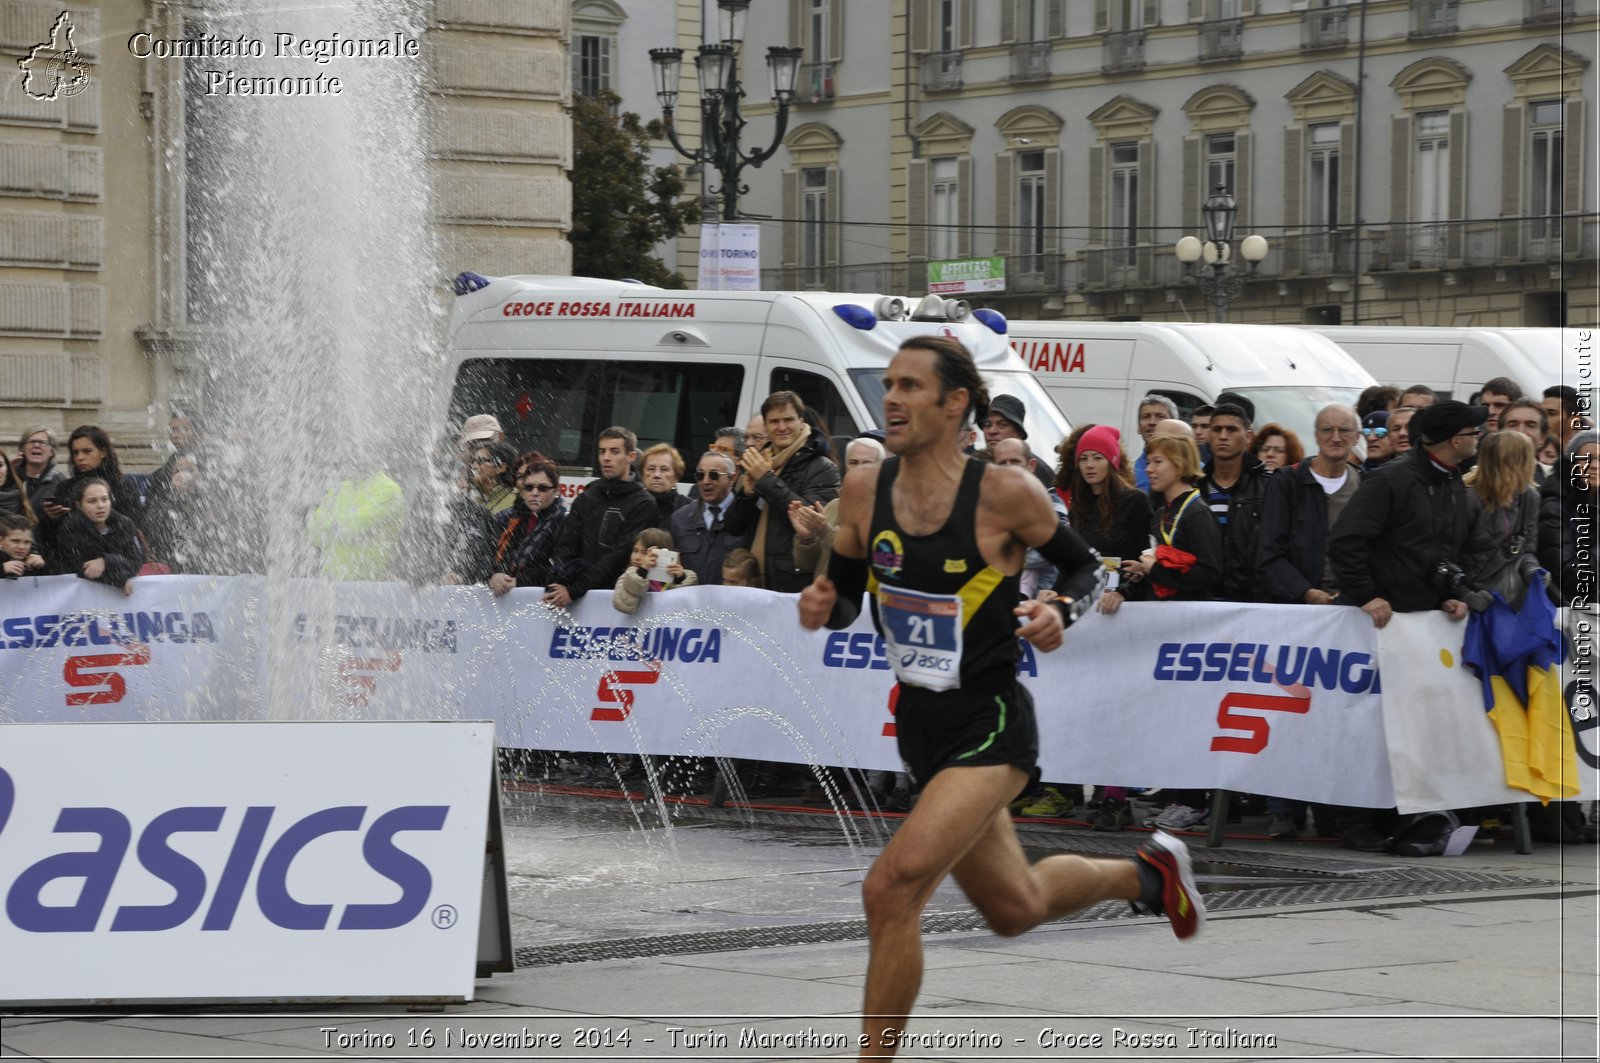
point(1102, 439)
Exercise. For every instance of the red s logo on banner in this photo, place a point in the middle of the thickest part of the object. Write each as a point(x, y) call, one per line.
point(112, 682)
point(1256, 726)
point(613, 688)
point(362, 687)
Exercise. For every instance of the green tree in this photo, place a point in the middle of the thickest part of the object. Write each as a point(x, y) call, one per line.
point(622, 207)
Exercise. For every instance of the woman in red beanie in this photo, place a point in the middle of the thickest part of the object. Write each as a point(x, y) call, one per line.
point(1109, 513)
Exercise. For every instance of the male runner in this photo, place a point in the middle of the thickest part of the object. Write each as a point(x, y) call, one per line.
point(946, 537)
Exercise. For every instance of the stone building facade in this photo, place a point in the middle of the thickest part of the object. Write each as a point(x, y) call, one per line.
point(1419, 162)
point(94, 325)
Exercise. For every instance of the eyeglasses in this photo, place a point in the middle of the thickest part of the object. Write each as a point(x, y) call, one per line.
point(708, 474)
point(1470, 432)
point(1374, 433)
point(536, 487)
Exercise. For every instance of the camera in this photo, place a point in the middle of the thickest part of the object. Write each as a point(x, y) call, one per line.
point(1451, 580)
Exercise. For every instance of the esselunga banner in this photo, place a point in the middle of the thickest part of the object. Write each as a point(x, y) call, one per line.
point(265, 861)
point(1292, 701)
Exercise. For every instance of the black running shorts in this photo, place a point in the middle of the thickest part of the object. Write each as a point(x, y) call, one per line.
point(965, 729)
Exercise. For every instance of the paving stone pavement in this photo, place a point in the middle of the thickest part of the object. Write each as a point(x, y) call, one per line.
point(1490, 974)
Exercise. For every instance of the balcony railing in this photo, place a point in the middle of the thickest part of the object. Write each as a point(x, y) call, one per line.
point(1324, 27)
point(1433, 18)
point(1030, 61)
point(941, 72)
point(1548, 11)
point(1221, 40)
point(1123, 51)
point(815, 83)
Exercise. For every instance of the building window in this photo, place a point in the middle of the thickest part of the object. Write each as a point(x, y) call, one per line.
point(813, 222)
point(1546, 157)
point(1035, 20)
point(1127, 14)
point(945, 212)
point(1125, 195)
point(1322, 177)
point(591, 64)
point(1031, 192)
point(947, 25)
point(1431, 195)
point(1221, 163)
point(819, 32)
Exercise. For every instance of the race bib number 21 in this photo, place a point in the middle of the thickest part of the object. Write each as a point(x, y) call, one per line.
point(923, 636)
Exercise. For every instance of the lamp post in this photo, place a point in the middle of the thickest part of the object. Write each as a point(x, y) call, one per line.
point(721, 124)
point(1225, 280)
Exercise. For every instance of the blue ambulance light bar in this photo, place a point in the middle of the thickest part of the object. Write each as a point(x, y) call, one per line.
point(993, 318)
point(467, 283)
point(932, 308)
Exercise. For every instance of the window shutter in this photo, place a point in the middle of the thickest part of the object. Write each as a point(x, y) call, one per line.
point(1347, 173)
point(1197, 10)
point(1242, 185)
point(606, 46)
point(964, 199)
point(1095, 267)
point(791, 220)
point(1008, 21)
point(798, 27)
point(1152, 14)
point(917, 215)
point(1002, 203)
point(1102, 15)
point(1189, 210)
point(1147, 199)
point(1097, 195)
point(836, 31)
point(1052, 216)
point(1511, 139)
point(1247, 7)
point(968, 15)
point(1456, 208)
point(921, 25)
point(834, 242)
point(1294, 157)
point(1399, 186)
point(1058, 19)
point(1572, 149)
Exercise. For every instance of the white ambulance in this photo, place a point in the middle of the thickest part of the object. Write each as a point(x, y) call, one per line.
point(558, 359)
point(1097, 371)
point(1455, 362)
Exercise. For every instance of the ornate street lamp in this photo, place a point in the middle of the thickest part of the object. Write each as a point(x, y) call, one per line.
point(721, 124)
point(1225, 281)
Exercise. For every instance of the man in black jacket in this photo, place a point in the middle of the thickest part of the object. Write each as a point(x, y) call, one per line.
point(791, 468)
point(1234, 485)
point(597, 536)
point(1397, 546)
point(1302, 504)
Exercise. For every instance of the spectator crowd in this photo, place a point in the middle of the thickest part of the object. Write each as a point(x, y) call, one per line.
point(1400, 504)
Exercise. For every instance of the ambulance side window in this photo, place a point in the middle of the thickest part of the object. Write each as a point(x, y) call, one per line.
point(1185, 401)
point(559, 405)
point(821, 398)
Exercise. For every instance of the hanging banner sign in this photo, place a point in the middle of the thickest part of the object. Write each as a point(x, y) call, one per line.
point(958, 276)
point(730, 257)
point(1292, 701)
point(242, 861)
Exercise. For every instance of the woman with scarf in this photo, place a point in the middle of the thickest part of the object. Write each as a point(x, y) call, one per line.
point(525, 534)
point(1186, 562)
point(792, 467)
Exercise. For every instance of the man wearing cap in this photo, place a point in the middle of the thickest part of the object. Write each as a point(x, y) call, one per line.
point(1394, 547)
point(1006, 414)
point(481, 428)
point(1380, 447)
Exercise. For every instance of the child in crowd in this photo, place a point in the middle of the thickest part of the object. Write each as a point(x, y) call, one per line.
point(741, 569)
point(16, 547)
point(636, 581)
point(97, 543)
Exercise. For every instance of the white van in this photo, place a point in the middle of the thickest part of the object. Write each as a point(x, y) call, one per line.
point(557, 359)
point(1097, 371)
point(1455, 362)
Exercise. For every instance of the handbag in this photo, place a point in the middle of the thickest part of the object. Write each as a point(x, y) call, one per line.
point(1503, 573)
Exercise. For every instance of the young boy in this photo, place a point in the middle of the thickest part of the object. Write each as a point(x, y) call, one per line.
point(16, 547)
point(741, 569)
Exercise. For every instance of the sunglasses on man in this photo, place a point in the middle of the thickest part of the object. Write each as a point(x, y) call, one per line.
point(708, 474)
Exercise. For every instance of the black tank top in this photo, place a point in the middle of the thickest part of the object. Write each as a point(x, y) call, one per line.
point(943, 611)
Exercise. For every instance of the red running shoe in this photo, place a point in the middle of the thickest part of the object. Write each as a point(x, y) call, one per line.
point(1180, 900)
